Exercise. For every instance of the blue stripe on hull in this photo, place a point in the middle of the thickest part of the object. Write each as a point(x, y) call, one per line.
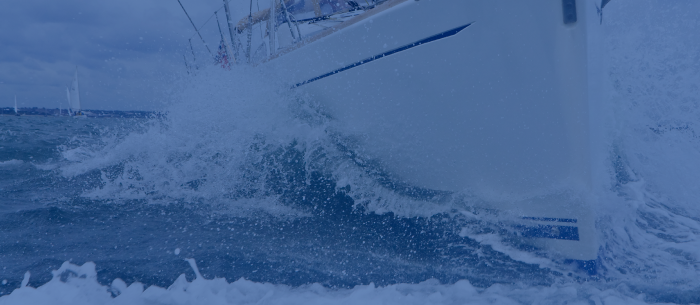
point(385, 54)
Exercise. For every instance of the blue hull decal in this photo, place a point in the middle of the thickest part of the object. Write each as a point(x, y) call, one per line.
point(385, 54)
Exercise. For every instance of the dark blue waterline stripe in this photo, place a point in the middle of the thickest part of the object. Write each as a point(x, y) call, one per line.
point(551, 219)
point(394, 51)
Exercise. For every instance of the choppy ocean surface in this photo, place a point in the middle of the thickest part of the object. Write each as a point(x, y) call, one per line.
point(244, 195)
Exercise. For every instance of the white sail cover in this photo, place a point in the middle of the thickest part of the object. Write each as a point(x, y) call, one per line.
point(74, 94)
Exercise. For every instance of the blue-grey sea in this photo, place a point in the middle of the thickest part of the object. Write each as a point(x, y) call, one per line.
point(245, 194)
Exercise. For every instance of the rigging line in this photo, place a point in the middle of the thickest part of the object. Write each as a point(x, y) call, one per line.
point(212, 16)
point(205, 22)
point(195, 28)
point(219, 26)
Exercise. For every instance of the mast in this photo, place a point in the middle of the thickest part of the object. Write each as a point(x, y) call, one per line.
point(289, 20)
point(272, 27)
point(231, 32)
point(250, 30)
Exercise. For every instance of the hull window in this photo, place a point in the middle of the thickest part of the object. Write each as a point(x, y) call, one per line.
point(569, 7)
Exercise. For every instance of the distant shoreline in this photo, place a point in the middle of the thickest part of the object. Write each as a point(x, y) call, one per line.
point(35, 111)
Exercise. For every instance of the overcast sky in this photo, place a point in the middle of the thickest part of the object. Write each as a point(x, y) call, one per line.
point(126, 51)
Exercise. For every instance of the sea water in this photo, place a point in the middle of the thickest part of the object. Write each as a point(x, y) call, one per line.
point(243, 192)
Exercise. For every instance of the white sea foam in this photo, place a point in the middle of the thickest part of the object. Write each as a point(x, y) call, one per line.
point(496, 243)
point(10, 163)
point(78, 285)
point(223, 136)
point(221, 126)
point(648, 225)
point(209, 147)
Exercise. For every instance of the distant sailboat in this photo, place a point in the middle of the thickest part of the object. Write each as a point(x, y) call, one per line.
point(74, 96)
point(16, 111)
point(70, 113)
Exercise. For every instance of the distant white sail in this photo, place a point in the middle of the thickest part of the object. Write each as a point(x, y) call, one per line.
point(16, 112)
point(74, 95)
point(69, 104)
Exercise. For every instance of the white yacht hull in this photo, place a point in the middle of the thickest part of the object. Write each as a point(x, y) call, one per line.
point(487, 97)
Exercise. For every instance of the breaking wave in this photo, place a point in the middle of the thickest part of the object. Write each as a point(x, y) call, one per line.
point(77, 285)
